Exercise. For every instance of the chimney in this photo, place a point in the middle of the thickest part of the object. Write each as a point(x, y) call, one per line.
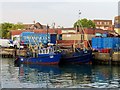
point(34, 21)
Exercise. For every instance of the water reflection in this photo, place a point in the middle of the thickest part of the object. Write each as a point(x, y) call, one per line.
point(79, 74)
point(106, 76)
point(102, 73)
point(76, 76)
point(38, 74)
point(68, 76)
point(55, 76)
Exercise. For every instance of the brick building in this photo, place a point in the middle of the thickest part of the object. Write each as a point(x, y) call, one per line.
point(16, 33)
point(117, 24)
point(117, 20)
point(68, 36)
point(104, 24)
point(34, 26)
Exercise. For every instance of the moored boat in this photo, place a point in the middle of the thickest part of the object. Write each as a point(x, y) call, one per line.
point(42, 59)
point(44, 56)
point(79, 52)
point(40, 52)
point(78, 57)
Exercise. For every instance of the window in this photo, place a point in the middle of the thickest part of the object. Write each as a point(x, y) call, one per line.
point(97, 22)
point(105, 23)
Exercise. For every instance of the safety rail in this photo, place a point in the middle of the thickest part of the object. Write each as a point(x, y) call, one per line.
point(47, 50)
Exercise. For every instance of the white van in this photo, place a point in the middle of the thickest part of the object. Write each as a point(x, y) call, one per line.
point(16, 44)
point(6, 43)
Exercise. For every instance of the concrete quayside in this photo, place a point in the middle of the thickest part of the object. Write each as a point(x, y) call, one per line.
point(101, 58)
point(106, 58)
point(10, 53)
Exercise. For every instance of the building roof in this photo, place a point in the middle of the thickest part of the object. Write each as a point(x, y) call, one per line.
point(59, 31)
point(52, 31)
point(117, 17)
point(67, 28)
point(92, 31)
point(102, 20)
point(36, 25)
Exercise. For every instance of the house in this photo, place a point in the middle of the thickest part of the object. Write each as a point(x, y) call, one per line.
point(66, 35)
point(117, 20)
point(34, 26)
point(117, 24)
point(16, 33)
point(103, 24)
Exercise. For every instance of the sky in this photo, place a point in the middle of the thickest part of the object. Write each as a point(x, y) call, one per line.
point(62, 13)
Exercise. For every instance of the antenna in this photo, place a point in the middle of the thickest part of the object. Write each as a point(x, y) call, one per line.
point(78, 24)
point(79, 14)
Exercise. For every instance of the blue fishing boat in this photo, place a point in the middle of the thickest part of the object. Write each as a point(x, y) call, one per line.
point(39, 52)
point(42, 59)
point(45, 56)
point(81, 57)
point(81, 54)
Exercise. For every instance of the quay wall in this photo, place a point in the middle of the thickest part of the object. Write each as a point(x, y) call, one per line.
point(105, 58)
point(10, 53)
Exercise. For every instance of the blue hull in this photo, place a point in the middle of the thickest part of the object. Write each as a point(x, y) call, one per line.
point(44, 59)
point(77, 57)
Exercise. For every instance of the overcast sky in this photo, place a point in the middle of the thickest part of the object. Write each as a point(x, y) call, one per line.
point(63, 13)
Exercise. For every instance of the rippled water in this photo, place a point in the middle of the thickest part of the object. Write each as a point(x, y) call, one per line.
point(70, 76)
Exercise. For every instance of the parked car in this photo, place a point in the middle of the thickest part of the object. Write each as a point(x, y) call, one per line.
point(6, 43)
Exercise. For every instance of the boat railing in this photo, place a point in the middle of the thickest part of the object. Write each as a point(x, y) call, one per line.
point(46, 50)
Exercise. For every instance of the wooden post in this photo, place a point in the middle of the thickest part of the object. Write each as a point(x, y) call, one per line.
point(15, 52)
point(111, 53)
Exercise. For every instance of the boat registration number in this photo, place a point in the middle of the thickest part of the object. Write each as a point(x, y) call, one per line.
point(51, 56)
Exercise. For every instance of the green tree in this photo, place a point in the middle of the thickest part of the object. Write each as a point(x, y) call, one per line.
point(85, 23)
point(6, 27)
point(18, 26)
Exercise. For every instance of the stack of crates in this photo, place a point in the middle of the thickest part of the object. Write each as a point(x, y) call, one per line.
point(105, 42)
point(97, 43)
point(110, 42)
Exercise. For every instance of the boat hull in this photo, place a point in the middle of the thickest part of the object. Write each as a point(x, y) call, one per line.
point(45, 59)
point(78, 58)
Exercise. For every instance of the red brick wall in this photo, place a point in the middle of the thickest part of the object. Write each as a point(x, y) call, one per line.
point(52, 31)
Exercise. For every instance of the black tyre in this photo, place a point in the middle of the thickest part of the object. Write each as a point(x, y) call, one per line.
point(15, 46)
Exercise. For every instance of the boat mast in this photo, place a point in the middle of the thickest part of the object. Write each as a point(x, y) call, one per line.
point(82, 34)
point(80, 30)
point(47, 33)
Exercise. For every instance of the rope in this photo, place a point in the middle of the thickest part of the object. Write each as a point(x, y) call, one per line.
point(86, 34)
point(30, 45)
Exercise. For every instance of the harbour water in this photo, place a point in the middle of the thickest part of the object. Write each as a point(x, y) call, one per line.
point(68, 76)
